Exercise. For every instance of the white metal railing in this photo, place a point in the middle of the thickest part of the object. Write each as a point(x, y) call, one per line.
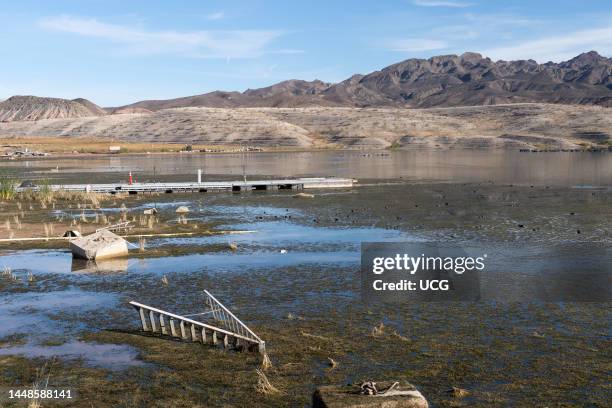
point(235, 333)
point(227, 318)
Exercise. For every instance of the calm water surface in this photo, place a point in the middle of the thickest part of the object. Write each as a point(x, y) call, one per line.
point(583, 169)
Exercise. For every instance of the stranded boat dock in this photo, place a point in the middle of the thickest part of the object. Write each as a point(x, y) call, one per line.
point(203, 187)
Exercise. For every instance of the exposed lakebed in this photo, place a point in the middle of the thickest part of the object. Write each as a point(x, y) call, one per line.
point(294, 278)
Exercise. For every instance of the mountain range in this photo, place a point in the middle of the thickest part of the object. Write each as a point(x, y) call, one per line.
point(443, 81)
point(449, 80)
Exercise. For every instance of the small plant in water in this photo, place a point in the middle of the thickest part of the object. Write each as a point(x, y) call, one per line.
point(7, 272)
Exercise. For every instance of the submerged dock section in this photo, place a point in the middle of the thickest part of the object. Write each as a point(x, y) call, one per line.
point(203, 187)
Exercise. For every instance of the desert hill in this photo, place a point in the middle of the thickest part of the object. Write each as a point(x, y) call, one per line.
point(28, 108)
point(496, 126)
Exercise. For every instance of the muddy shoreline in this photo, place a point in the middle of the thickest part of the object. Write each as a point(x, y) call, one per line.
point(306, 303)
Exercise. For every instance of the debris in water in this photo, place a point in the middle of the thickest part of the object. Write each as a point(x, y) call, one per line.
point(370, 394)
point(102, 244)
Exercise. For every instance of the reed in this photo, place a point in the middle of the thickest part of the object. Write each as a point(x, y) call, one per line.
point(7, 186)
point(266, 363)
point(8, 273)
point(378, 330)
point(332, 363)
point(263, 384)
point(46, 196)
point(17, 221)
point(41, 382)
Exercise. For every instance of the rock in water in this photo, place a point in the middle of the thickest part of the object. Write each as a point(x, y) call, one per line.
point(404, 395)
point(99, 245)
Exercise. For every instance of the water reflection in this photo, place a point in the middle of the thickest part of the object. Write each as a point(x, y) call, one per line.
point(502, 166)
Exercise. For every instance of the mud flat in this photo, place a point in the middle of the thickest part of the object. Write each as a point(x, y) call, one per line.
point(294, 279)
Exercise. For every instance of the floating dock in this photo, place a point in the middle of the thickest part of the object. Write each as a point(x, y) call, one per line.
point(209, 186)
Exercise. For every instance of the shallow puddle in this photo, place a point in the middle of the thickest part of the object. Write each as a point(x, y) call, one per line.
point(46, 324)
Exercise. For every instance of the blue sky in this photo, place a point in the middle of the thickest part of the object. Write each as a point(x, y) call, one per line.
point(118, 52)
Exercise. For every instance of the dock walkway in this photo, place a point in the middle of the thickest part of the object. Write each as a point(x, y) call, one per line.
point(209, 186)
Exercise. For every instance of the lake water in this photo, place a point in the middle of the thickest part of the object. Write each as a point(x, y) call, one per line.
point(563, 169)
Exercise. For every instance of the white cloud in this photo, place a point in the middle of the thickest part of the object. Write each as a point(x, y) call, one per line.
point(415, 45)
point(197, 44)
point(441, 3)
point(215, 16)
point(557, 48)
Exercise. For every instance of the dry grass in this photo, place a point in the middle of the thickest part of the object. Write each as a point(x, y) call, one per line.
point(263, 384)
point(400, 337)
point(43, 375)
point(332, 363)
point(266, 363)
point(63, 145)
point(45, 197)
point(314, 336)
point(9, 274)
point(379, 330)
